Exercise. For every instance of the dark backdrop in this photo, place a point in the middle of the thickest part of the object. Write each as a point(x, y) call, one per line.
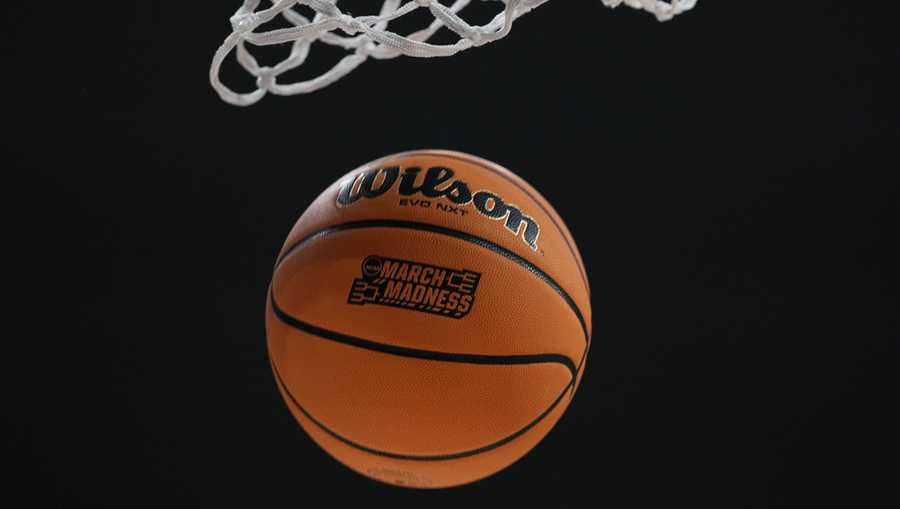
point(731, 179)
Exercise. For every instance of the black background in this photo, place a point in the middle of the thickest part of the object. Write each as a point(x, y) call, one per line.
point(730, 177)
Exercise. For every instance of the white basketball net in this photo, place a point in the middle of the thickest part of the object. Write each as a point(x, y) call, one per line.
point(367, 37)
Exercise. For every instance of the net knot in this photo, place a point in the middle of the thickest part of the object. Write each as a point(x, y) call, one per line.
point(265, 80)
point(351, 25)
point(243, 23)
point(478, 39)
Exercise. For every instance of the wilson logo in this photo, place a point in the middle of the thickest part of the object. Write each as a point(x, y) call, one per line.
point(415, 286)
point(438, 182)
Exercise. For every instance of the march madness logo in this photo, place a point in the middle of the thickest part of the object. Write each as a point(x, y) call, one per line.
point(415, 286)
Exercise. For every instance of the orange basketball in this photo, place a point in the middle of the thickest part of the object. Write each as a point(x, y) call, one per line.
point(429, 319)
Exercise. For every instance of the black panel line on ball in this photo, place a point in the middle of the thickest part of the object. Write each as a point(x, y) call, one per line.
point(443, 457)
point(578, 371)
point(528, 192)
point(416, 353)
point(431, 228)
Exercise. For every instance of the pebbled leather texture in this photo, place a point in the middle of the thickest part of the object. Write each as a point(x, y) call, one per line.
point(429, 319)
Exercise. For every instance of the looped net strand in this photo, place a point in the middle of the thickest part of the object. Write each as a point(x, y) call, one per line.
point(366, 37)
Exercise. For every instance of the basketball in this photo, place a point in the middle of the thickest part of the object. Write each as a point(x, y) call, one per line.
point(429, 319)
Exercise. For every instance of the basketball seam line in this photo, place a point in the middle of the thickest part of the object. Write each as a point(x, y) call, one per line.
point(444, 457)
point(411, 225)
point(581, 268)
point(416, 353)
